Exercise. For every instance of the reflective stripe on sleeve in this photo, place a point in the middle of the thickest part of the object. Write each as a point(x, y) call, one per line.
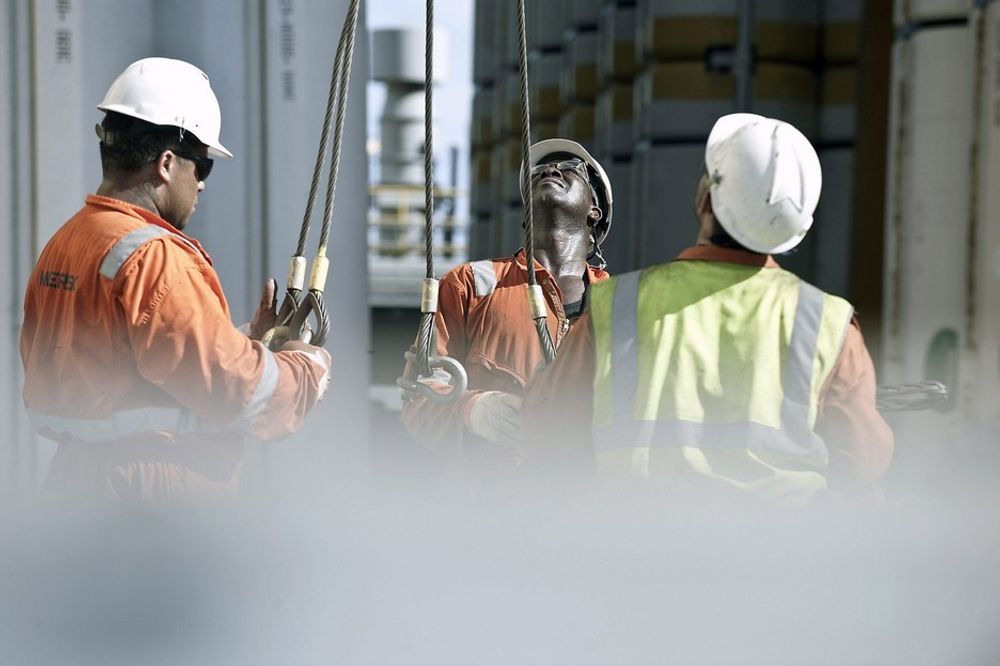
point(172, 420)
point(126, 245)
point(126, 423)
point(266, 385)
point(485, 275)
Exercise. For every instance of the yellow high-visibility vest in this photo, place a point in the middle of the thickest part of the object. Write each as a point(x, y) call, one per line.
point(710, 372)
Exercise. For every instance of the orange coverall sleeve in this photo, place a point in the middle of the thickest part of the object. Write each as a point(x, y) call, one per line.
point(440, 427)
point(858, 438)
point(184, 342)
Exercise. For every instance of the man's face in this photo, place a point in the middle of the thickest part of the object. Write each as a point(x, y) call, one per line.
point(187, 173)
point(560, 181)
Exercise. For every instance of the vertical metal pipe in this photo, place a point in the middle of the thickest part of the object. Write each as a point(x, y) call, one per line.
point(743, 64)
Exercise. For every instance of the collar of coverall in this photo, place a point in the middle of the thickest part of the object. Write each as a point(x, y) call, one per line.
point(727, 255)
point(593, 272)
point(146, 215)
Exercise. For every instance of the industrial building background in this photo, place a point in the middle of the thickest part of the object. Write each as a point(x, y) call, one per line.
point(901, 99)
point(900, 102)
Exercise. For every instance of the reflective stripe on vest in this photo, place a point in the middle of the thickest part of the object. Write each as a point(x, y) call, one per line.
point(485, 275)
point(624, 365)
point(173, 420)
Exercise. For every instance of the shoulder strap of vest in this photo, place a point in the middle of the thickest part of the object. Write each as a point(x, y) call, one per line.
point(485, 275)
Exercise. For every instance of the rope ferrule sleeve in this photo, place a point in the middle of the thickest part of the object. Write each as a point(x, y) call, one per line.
point(429, 296)
point(536, 301)
point(296, 272)
point(320, 267)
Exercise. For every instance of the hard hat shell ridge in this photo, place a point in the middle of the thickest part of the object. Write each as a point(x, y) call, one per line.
point(765, 181)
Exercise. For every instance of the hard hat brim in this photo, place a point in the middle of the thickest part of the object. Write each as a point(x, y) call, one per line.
point(214, 149)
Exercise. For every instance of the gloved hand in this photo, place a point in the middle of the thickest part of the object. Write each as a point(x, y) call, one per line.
point(317, 355)
point(496, 417)
point(267, 312)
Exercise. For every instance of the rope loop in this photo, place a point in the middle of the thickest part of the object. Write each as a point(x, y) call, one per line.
point(458, 380)
point(298, 328)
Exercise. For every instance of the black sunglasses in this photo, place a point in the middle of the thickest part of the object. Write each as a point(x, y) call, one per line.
point(202, 165)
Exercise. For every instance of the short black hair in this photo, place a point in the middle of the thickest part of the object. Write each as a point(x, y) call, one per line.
point(129, 143)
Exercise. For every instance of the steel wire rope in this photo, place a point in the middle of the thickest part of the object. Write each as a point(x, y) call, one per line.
point(314, 301)
point(296, 272)
point(535, 298)
point(296, 308)
point(424, 360)
point(425, 335)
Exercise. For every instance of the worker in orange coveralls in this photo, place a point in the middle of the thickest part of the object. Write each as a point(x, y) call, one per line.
point(720, 373)
point(483, 317)
point(131, 361)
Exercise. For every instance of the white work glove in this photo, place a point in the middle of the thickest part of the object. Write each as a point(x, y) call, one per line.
point(496, 417)
point(317, 355)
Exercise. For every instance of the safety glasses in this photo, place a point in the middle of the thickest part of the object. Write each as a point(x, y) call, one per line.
point(202, 165)
point(579, 166)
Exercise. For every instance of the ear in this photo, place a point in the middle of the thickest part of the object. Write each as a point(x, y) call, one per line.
point(594, 215)
point(703, 206)
point(166, 164)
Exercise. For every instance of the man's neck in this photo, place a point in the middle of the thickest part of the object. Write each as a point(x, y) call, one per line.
point(707, 227)
point(563, 253)
point(137, 194)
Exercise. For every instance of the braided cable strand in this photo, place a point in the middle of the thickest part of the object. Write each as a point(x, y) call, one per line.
point(429, 140)
point(314, 303)
point(425, 333)
point(423, 362)
point(528, 217)
point(544, 338)
point(291, 303)
point(324, 144)
point(345, 51)
point(912, 397)
point(425, 336)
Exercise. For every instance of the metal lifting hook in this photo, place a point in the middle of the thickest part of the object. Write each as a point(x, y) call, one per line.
point(457, 379)
point(298, 306)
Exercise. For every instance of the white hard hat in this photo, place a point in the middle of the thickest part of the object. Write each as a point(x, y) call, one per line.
point(598, 179)
point(765, 181)
point(163, 91)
